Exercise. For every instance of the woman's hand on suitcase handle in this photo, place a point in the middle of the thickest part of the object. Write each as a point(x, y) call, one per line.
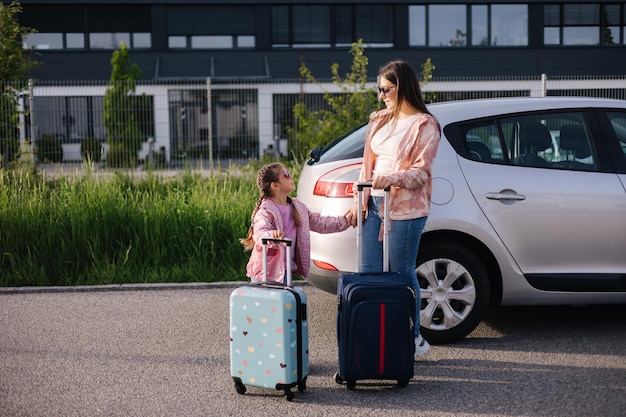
point(382, 182)
point(277, 234)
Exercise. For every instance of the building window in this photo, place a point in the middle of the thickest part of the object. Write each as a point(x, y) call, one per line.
point(280, 26)
point(301, 26)
point(480, 25)
point(44, 41)
point(211, 42)
point(55, 41)
point(509, 25)
point(245, 42)
point(584, 24)
point(461, 25)
point(417, 25)
point(75, 40)
point(614, 24)
point(141, 41)
point(310, 26)
point(177, 42)
point(581, 24)
point(96, 40)
point(223, 26)
point(447, 25)
point(108, 40)
point(323, 26)
point(552, 24)
point(374, 24)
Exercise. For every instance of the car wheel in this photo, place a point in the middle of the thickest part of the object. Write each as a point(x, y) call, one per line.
point(455, 291)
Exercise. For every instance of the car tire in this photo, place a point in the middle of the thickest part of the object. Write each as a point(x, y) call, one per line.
point(455, 291)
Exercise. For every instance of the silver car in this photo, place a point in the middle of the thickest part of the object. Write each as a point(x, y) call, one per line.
point(528, 208)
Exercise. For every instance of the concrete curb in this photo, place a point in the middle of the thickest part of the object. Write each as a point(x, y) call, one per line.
point(130, 287)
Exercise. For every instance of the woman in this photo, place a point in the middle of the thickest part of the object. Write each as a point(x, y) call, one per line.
point(401, 143)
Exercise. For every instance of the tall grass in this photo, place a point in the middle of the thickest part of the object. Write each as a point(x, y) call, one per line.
point(85, 229)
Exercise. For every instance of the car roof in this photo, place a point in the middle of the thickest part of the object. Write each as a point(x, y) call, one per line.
point(450, 111)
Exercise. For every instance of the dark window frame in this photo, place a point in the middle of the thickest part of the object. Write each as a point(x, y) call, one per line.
point(283, 23)
point(603, 23)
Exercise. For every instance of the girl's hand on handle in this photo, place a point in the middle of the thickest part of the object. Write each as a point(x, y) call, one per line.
point(353, 212)
point(350, 216)
point(277, 234)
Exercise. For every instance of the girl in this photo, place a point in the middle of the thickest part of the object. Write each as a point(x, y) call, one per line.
point(279, 216)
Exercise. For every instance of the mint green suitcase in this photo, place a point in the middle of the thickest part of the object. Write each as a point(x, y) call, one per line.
point(269, 335)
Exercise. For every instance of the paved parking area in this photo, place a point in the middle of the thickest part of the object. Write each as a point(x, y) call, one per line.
point(166, 353)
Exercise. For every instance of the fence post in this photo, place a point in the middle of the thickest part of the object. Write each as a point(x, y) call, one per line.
point(210, 122)
point(544, 89)
point(31, 117)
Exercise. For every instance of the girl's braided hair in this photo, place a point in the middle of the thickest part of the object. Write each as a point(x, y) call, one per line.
point(265, 177)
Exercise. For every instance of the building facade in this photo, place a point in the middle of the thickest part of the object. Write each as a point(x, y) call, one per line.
point(269, 39)
point(223, 76)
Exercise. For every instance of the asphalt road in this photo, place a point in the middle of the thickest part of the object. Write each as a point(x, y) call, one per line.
point(166, 353)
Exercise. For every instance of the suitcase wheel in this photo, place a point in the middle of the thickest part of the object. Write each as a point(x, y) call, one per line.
point(403, 383)
point(302, 385)
point(239, 386)
point(289, 395)
point(351, 383)
point(338, 378)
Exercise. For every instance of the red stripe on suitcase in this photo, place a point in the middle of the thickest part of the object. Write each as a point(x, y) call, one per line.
point(381, 350)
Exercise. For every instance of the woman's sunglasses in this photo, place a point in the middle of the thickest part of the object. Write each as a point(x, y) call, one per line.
point(385, 90)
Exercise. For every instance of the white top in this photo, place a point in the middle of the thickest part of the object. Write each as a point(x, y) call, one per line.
point(384, 144)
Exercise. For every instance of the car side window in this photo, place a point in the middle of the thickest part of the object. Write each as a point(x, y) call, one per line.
point(618, 123)
point(483, 143)
point(554, 140)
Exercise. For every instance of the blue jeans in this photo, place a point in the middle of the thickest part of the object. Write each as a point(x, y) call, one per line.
point(404, 239)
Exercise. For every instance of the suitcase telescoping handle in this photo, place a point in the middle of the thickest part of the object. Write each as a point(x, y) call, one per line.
point(287, 243)
point(359, 227)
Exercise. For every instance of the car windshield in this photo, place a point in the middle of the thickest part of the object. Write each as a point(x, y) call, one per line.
point(348, 146)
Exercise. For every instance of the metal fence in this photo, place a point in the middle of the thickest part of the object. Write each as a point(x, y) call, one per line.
point(181, 121)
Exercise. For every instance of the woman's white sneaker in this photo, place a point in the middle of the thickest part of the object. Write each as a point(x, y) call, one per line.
point(421, 347)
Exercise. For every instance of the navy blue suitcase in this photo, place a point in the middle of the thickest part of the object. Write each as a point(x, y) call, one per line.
point(375, 323)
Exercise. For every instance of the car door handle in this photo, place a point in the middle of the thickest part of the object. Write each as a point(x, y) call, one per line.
point(507, 195)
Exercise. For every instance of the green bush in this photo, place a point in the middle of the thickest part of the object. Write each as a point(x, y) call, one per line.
point(9, 149)
point(88, 229)
point(49, 149)
point(91, 150)
point(119, 156)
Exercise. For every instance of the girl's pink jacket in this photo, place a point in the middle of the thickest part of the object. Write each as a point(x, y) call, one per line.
point(267, 219)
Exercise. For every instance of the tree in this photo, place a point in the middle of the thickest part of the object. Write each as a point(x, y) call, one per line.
point(427, 74)
point(124, 134)
point(343, 111)
point(15, 64)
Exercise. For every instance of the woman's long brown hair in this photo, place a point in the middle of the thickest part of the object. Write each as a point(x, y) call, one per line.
point(401, 74)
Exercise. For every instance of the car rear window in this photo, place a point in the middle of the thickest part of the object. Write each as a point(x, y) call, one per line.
point(347, 146)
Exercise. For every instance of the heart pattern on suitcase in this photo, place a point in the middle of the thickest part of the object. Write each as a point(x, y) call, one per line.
point(263, 337)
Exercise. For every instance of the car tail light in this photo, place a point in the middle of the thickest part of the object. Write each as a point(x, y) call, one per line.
point(338, 182)
point(324, 265)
